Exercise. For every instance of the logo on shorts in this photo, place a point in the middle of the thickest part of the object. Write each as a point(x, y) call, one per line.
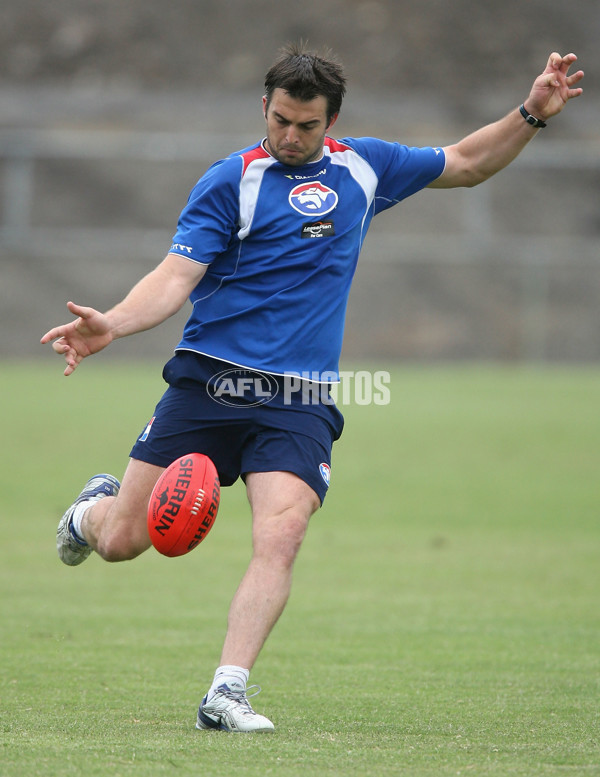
point(325, 471)
point(236, 387)
point(313, 199)
point(146, 431)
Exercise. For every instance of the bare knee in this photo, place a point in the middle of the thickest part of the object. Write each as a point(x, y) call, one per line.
point(120, 535)
point(279, 538)
point(116, 547)
point(281, 504)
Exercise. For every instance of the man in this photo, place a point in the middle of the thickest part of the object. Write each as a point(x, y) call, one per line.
point(266, 249)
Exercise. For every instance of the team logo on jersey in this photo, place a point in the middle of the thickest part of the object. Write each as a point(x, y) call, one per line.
point(325, 471)
point(318, 229)
point(313, 199)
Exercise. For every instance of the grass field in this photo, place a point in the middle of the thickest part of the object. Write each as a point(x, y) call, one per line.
point(445, 618)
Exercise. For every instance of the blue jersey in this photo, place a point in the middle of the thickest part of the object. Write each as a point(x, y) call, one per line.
point(282, 245)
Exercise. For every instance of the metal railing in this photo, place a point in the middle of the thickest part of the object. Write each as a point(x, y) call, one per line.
point(20, 149)
point(476, 232)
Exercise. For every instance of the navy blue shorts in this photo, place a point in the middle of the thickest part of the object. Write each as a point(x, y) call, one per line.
point(240, 436)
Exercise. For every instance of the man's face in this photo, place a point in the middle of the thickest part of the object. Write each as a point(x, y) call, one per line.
point(296, 129)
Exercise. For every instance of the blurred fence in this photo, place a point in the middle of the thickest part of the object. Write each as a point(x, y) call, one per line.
point(508, 270)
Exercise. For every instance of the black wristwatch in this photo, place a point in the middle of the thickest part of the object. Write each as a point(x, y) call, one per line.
point(537, 123)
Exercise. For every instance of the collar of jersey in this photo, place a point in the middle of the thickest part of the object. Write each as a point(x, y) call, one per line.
point(293, 167)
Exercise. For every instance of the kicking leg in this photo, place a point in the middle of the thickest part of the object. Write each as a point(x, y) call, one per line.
point(112, 521)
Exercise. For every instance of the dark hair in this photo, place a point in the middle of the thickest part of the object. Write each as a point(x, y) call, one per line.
point(305, 75)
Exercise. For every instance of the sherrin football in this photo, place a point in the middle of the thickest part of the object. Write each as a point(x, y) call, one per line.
point(183, 505)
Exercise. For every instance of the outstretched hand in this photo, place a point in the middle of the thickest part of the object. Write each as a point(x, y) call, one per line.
point(554, 87)
point(88, 334)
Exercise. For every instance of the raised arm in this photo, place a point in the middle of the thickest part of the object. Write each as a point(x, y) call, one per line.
point(156, 297)
point(484, 152)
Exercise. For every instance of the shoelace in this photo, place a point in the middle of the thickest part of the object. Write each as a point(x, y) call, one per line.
point(241, 697)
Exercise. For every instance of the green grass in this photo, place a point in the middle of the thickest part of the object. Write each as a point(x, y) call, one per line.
point(445, 616)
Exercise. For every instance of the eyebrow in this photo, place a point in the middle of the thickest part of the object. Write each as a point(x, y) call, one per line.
point(309, 123)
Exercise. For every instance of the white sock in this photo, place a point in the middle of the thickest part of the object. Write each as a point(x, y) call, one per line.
point(78, 513)
point(235, 677)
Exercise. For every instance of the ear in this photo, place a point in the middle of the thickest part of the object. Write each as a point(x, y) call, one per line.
point(332, 122)
point(264, 102)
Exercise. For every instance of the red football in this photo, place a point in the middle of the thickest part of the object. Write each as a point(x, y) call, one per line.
point(183, 505)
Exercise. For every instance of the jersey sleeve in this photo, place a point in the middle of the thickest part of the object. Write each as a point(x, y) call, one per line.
point(401, 170)
point(208, 222)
